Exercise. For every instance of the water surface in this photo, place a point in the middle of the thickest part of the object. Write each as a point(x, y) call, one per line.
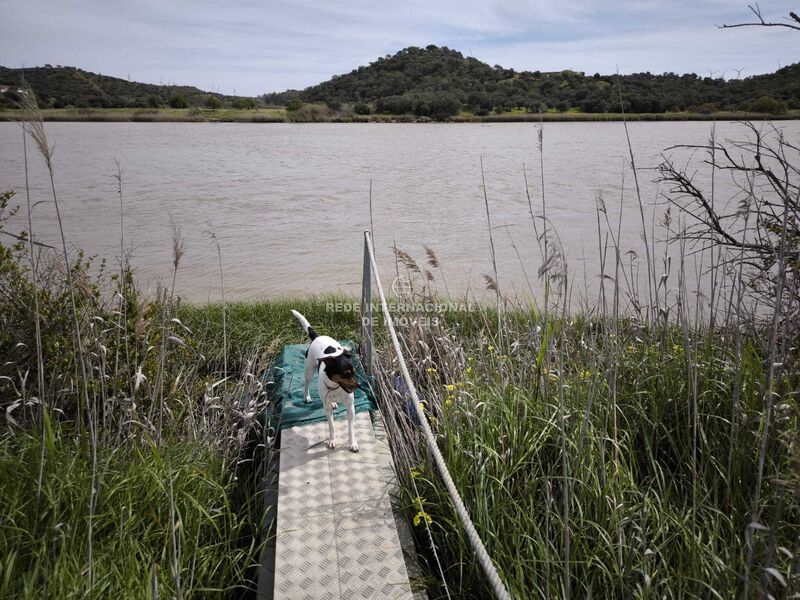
point(289, 202)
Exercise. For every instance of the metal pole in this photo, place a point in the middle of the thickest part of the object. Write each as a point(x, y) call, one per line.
point(366, 308)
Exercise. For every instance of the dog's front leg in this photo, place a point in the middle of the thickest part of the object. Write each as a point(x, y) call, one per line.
point(331, 436)
point(351, 415)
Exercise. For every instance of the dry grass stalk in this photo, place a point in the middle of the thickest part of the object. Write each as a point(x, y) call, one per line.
point(35, 127)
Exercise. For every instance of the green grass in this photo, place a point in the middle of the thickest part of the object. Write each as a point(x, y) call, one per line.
point(196, 481)
point(576, 115)
point(169, 441)
point(646, 515)
point(632, 481)
point(279, 115)
point(266, 326)
point(43, 541)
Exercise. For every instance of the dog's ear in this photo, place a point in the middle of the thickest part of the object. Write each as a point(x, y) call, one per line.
point(329, 361)
point(347, 353)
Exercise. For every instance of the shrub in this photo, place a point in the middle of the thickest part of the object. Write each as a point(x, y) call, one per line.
point(706, 108)
point(294, 105)
point(310, 113)
point(396, 105)
point(179, 101)
point(361, 108)
point(436, 106)
point(244, 104)
point(768, 105)
point(213, 102)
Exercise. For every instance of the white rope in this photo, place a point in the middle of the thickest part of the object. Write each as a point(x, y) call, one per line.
point(498, 587)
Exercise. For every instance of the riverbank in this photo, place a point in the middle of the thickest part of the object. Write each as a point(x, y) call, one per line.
point(656, 429)
point(322, 115)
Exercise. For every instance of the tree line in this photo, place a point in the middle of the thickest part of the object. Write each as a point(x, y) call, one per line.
point(62, 87)
point(438, 82)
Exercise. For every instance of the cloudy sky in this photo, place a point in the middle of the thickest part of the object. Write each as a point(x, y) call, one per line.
point(252, 46)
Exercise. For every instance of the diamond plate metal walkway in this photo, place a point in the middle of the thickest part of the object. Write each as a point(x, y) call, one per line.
point(336, 533)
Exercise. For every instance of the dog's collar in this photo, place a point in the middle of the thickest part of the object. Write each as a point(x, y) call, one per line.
point(337, 386)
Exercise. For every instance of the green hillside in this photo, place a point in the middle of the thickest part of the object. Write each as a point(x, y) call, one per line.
point(439, 82)
point(59, 87)
point(434, 82)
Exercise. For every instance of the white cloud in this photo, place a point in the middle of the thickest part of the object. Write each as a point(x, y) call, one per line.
point(689, 49)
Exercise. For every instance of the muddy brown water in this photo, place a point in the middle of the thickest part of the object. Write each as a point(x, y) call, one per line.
point(289, 202)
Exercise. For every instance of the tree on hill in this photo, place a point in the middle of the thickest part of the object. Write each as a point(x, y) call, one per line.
point(178, 101)
point(243, 103)
point(399, 83)
point(68, 86)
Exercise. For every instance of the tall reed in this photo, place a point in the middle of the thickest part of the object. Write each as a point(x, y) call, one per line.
point(86, 516)
point(650, 459)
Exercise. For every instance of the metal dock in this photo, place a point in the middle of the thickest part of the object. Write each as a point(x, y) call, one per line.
point(336, 536)
point(336, 533)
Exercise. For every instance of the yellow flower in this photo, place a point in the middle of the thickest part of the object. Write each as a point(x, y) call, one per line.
point(415, 472)
point(490, 348)
point(586, 374)
point(469, 371)
point(450, 387)
point(450, 399)
point(430, 371)
point(422, 515)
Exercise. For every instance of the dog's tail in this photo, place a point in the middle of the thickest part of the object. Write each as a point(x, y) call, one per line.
point(305, 325)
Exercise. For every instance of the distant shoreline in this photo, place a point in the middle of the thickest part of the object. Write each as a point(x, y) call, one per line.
point(280, 115)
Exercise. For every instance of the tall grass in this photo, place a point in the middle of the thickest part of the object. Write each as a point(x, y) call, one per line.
point(173, 489)
point(129, 468)
point(622, 453)
point(44, 545)
point(655, 505)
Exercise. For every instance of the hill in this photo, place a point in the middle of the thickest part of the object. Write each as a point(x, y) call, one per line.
point(434, 82)
point(58, 87)
point(439, 82)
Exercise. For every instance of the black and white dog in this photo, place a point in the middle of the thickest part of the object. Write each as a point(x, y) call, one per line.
point(337, 377)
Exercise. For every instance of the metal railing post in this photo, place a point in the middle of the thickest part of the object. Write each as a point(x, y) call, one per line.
point(366, 309)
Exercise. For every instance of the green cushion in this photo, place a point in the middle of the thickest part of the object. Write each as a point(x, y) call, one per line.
point(285, 382)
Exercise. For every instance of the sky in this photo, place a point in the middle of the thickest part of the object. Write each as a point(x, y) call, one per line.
point(249, 47)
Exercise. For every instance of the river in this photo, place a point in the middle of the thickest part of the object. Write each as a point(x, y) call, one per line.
point(288, 203)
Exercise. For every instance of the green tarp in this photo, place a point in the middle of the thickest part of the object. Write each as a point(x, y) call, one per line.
point(285, 380)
